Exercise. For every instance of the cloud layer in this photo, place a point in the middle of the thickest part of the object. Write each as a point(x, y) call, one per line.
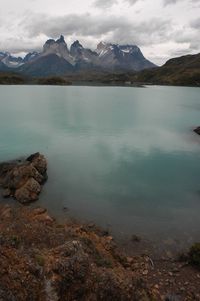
point(167, 28)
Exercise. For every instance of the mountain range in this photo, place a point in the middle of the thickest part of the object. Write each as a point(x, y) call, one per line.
point(57, 59)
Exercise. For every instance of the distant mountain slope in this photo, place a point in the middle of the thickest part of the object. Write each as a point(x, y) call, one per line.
point(3, 67)
point(46, 66)
point(184, 70)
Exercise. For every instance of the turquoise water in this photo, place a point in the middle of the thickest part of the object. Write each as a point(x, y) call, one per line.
point(125, 158)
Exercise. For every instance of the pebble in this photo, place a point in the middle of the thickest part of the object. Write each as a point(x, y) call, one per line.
point(39, 211)
point(175, 270)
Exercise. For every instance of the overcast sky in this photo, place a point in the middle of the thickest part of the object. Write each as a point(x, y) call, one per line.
point(161, 28)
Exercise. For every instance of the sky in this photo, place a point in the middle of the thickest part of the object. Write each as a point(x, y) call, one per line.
point(161, 28)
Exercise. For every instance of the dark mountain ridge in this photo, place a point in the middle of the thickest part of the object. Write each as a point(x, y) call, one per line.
point(184, 70)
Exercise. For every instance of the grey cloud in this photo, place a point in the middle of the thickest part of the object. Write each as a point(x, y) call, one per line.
point(153, 31)
point(103, 4)
point(90, 28)
point(85, 25)
point(179, 52)
point(132, 2)
point(188, 36)
point(167, 2)
point(196, 23)
point(194, 45)
point(113, 28)
point(17, 45)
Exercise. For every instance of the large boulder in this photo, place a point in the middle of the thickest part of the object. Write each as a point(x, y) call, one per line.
point(39, 162)
point(20, 174)
point(28, 192)
point(23, 179)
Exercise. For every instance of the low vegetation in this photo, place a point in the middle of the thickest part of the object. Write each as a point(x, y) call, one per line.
point(12, 79)
point(194, 255)
point(54, 80)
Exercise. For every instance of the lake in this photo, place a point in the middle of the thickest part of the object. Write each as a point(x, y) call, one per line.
point(125, 158)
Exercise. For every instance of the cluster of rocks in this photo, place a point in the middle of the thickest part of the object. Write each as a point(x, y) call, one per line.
point(23, 179)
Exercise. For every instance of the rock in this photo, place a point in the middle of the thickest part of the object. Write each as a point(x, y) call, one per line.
point(44, 217)
point(6, 193)
point(135, 238)
point(19, 175)
point(22, 179)
point(65, 208)
point(145, 272)
point(38, 211)
point(172, 297)
point(197, 130)
point(5, 212)
point(28, 192)
point(39, 162)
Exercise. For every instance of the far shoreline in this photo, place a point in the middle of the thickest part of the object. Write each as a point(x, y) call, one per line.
point(100, 85)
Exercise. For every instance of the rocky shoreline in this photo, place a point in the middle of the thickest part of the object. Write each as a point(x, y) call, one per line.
point(43, 260)
point(23, 179)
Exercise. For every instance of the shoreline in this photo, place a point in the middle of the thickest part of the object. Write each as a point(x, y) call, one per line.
point(132, 244)
point(15, 178)
point(32, 234)
point(74, 260)
point(99, 84)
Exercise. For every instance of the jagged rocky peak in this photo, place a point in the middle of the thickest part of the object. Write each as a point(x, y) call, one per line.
point(61, 40)
point(129, 48)
point(31, 56)
point(104, 47)
point(54, 44)
point(109, 56)
point(10, 61)
point(76, 49)
point(101, 45)
point(76, 44)
point(58, 47)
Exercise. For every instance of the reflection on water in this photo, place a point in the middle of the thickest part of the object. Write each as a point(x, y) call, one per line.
point(125, 157)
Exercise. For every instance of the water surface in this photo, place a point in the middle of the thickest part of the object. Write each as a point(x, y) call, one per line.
point(125, 158)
